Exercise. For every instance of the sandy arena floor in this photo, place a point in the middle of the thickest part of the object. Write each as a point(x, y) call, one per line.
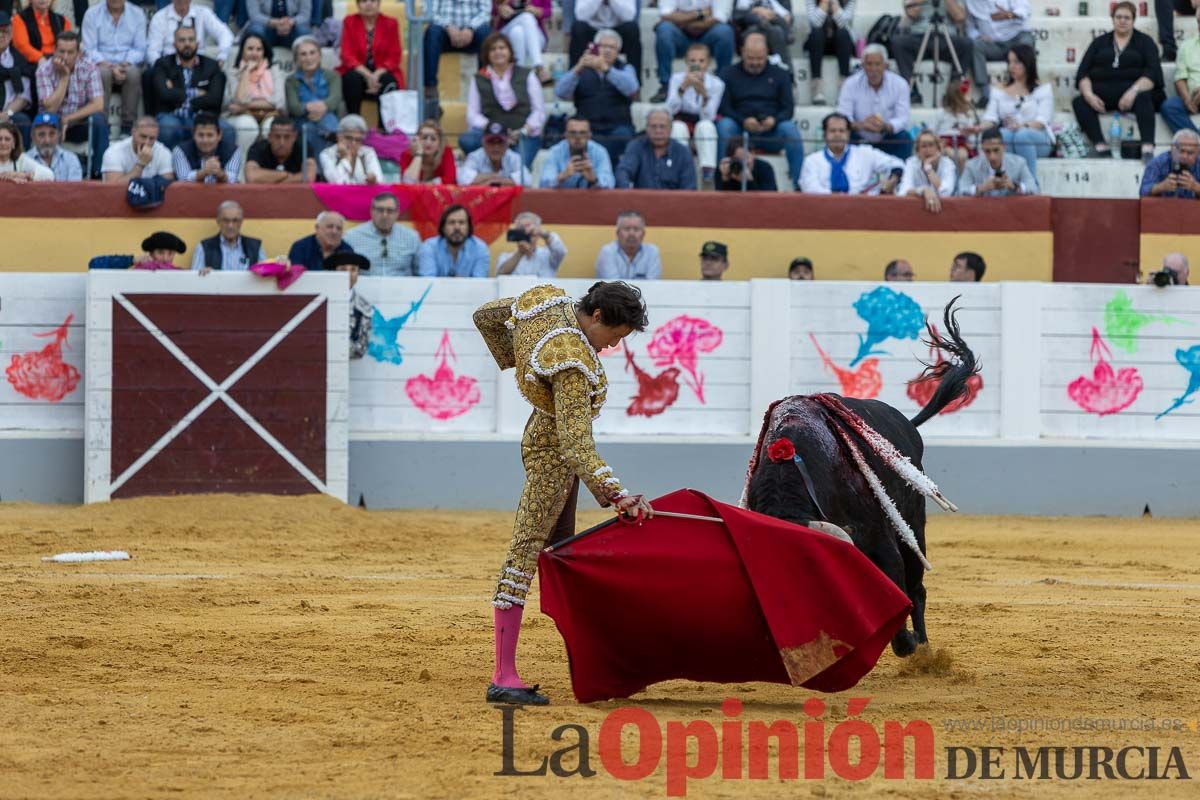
point(300, 648)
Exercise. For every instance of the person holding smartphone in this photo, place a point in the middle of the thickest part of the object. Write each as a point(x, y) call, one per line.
point(693, 98)
point(994, 172)
point(539, 253)
point(577, 162)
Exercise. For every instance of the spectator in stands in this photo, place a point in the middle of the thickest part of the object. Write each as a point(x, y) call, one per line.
point(1165, 11)
point(929, 173)
point(391, 248)
point(1119, 72)
point(758, 100)
point(505, 93)
point(593, 16)
point(693, 98)
point(740, 163)
point(458, 25)
point(773, 19)
point(995, 173)
point(36, 30)
point(682, 22)
point(17, 166)
point(967, 267)
point(801, 269)
point(372, 55)
point(523, 23)
point(349, 160)
point(362, 313)
point(139, 156)
point(958, 124)
point(312, 250)
point(1023, 108)
point(279, 22)
point(429, 159)
point(456, 252)
point(114, 39)
point(161, 247)
point(996, 27)
point(844, 168)
point(1177, 265)
point(208, 157)
point(899, 270)
point(314, 95)
point(70, 87)
point(254, 91)
point(1178, 110)
point(875, 99)
point(829, 34)
point(280, 158)
point(913, 26)
point(577, 162)
point(184, 84)
point(63, 163)
point(496, 163)
point(162, 40)
point(714, 261)
point(655, 161)
point(530, 257)
point(629, 257)
point(603, 86)
point(16, 96)
point(1175, 173)
point(229, 250)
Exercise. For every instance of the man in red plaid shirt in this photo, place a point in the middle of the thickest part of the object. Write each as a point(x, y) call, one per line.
point(70, 87)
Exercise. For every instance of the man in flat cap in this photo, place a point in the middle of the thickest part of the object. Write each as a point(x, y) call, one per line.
point(361, 311)
point(160, 249)
point(714, 260)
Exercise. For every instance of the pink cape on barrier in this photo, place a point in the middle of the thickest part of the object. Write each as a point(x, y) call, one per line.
point(491, 207)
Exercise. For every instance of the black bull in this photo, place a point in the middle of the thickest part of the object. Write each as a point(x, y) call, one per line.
point(840, 493)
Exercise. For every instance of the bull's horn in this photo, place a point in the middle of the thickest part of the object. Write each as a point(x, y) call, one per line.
point(830, 529)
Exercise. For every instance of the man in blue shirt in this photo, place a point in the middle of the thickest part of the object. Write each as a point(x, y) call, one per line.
point(656, 161)
point(114, 39)
point(312, 250)
point(577, 162)
point(456, 252)
point(1175, 173)
point(48, 153)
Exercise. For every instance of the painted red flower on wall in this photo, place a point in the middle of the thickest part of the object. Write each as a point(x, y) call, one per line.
point(863, 383)
point(43, 375)
point(445, 395)
point(655, 393)
point(682, 340)
point(1107, 391)
point(920, 390)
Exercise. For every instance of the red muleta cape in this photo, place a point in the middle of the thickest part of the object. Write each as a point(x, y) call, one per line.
point(753, 599)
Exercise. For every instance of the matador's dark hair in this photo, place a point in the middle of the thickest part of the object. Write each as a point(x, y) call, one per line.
point(619, 304)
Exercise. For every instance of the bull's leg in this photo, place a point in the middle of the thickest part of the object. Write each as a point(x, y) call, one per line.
point(888, 558)
point(917, 595)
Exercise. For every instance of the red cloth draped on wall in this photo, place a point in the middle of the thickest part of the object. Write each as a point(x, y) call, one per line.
point(491, 207)
point(753, 599)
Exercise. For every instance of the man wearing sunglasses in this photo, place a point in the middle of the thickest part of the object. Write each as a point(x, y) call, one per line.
point(391, 248)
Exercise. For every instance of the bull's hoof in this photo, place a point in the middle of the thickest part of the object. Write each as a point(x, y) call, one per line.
point(904, 644)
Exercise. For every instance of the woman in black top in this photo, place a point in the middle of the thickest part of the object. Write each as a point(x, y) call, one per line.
point(1120, 71)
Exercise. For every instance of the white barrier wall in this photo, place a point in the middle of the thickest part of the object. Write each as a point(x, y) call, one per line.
point(1060, 361)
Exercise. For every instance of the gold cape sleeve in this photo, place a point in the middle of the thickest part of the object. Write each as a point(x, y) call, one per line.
point(573, 420)
point(490, 319)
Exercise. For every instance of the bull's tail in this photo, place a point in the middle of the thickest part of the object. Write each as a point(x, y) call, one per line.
point(953, 372)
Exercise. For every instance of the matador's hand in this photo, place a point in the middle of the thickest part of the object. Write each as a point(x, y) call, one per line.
point(635, 506)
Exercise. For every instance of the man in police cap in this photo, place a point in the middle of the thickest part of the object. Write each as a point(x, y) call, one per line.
point(361, 311)
point(714, 260)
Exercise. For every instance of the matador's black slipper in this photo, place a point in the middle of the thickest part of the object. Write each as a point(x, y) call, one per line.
point(515, 696)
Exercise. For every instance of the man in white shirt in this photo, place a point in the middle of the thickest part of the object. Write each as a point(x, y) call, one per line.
point(114, 39)
point(531, 258)
point(593, 16)
point(994, 26)
point(844, 168)
point(184, 13)
point(494, 164)
point(682, 22)
point(139, 156)
point(693, 97)
point(629, 257)
point(875, 100)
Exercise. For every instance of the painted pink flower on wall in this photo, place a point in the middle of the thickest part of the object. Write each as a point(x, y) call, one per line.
point(682, 340)
point(43, 375)
point(1107, 391)
point(445, 395)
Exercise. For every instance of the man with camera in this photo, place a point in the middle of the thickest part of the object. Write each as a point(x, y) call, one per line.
point(577, 162)
point(758, 100)
point(995, 173)
point(1174, 272)
point(1175, 173)
point(693, 98)
point(916, 22)
point(682, 22)
point(530, 257)
point(844, 168)
point(496, 163)
point(602, 87)
point(740, 165)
